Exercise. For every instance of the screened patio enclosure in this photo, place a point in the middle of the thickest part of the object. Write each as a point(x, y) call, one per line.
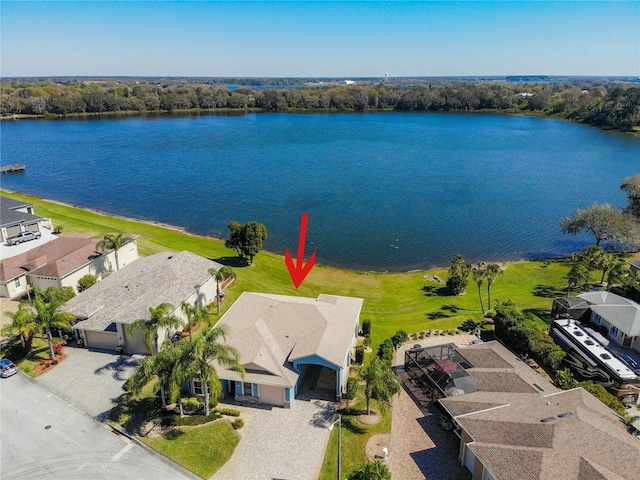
point(441, 369)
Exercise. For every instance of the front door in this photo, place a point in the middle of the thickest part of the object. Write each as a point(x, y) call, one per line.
point(626, 341)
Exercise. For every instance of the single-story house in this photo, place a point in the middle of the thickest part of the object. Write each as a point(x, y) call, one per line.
point(105, 310)
point(283, 339)
point(618, 315)
point(17, 216)
point(60, 263)
point(514, 425)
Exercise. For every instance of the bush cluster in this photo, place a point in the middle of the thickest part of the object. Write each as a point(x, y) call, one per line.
point(230, 412)
point(520, 332)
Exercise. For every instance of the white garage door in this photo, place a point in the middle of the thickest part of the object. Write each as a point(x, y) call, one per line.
point(107, 340)
point(272, 395)
point(135, 344)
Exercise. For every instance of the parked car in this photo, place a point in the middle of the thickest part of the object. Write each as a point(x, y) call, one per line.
point(7, 368)
point(23, 237)
point(629, 361)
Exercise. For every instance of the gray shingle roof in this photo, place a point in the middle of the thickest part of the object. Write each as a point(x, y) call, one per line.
point(581, 438)
point(126, 295)
point(9, 215)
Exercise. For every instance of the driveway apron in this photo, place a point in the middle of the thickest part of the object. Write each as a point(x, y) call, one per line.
point(90, 379)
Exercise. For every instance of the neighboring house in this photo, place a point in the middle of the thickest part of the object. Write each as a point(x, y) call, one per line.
point(284, 340)
point(16, 217)
point(619, 317)
point(514, 425)
point(59, 263)
point(105, 310)
point(634, 266)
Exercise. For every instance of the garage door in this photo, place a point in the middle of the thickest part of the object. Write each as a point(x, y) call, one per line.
point(13, 231)
point(107, 340)
point(272, 395)
point(135, 343)
point(34, 227)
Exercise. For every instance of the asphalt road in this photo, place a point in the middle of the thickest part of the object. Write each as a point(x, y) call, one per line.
point(43, 436)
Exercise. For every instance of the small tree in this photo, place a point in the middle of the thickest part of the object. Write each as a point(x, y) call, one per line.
point(86, 282)
point(247, 239)
point(352, 390)
point(491, 272)
point(159, 317)
point(220, 275)
point(564, 379)
point(578, 275)
point(478, 277)
point(23, 324)
point(380, 383)
point(195, 314)
point(399, 338)
point(48, 315)
point(458, 275)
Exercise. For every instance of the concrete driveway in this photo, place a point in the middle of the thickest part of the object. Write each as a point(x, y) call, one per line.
point(91, 379)
point(280, 443)
point(8, 251)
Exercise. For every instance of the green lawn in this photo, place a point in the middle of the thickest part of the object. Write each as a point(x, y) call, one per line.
point(392, 301)
point(39, 352)
point(203, 450)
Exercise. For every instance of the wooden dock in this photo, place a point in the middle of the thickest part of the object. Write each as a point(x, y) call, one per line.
point(18, 167)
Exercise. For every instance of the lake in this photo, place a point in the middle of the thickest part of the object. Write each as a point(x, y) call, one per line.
point(384, 191)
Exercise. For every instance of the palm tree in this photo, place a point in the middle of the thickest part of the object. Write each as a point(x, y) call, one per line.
point(162, 366)
point(491, 272)
point(195, 314)
point(114, 241)
point(617, 273)
point(23, 324)
point(380, 383)
point(48, 316)
point(479, 276)
point(160, 317)
point(220, 275)
point(577, 275)
point(198, 357)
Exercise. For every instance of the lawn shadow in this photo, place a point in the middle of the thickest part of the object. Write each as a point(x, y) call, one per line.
point(451, 308)
point(353, 425)
point(136, 411)
point(235, 262)
point(548, 291)
point(174, 434)
point(434, 291)
point(436, 315)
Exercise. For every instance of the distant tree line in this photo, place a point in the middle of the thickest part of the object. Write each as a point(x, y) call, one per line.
point(602, 104)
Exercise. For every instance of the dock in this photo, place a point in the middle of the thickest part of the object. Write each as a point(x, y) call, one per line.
point(18, 167)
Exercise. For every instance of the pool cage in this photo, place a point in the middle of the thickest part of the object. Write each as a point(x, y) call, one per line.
point(439, 370)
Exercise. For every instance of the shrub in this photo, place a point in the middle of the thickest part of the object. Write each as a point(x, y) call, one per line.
point(359, 354)
point(399, 338)
point(86, 282)
point(57, 229)
point(468, 325)
point(367, 341)
point(352, 389)
point(564, 379)
point(57, 347)
point(229, 412)
point(190, 403)
point(54, 362)
point(385, 351)
point(237, 423)
point(605, 397)
point(366, 328)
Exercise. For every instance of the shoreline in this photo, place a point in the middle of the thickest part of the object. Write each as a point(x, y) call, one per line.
point(184, 231)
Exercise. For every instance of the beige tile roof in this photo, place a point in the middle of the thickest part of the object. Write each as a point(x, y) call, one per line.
point(126, 295)
point(56, 258)
point(580, 439)
point(273, 331)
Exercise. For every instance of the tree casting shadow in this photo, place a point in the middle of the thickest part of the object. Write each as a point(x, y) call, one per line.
point(434, 291)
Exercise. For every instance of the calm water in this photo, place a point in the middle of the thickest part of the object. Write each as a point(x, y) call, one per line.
point(383, 191)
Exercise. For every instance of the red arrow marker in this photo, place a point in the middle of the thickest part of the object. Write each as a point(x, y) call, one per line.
point(300, 271)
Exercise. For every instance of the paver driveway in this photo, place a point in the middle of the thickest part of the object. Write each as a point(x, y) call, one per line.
point(420, 448)
point(90, 379)
point(281, 443)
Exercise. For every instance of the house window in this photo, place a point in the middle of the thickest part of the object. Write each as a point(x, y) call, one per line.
point(596, 319)
point(614, 331)
point(248, 389)
point(17, 282)
point(197, 387)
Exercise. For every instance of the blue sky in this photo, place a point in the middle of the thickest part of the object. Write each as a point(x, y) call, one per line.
point(325, 39)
